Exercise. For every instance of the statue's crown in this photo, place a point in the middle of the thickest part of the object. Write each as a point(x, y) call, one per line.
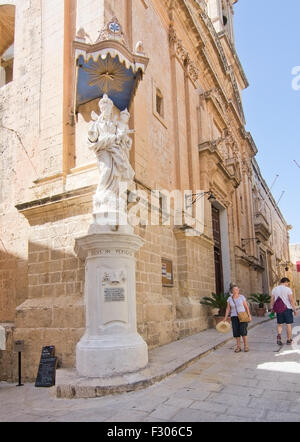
point(105, 100)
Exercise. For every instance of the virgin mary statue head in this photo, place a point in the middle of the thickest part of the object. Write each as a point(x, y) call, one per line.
point(106, 106)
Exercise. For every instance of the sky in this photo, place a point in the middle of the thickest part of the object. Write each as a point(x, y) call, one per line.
point(267, 43)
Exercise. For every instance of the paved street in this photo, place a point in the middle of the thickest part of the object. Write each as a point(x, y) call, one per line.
point(262, 385)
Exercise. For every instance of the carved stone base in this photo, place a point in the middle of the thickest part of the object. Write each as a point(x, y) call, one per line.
point(111, 344)
point(106, 356)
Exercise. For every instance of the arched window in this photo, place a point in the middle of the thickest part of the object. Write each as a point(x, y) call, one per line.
point(7, 36)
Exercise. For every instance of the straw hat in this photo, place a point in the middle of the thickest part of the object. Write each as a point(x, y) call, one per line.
point(223, 327)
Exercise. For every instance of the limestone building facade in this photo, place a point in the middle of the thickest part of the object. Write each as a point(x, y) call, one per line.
point(189, 135)
point(295, 260)
point(272, 232)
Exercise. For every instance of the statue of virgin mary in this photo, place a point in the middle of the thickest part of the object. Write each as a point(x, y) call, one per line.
point(107, 141)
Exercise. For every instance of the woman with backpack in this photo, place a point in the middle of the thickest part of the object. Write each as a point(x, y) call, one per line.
point(283, 305)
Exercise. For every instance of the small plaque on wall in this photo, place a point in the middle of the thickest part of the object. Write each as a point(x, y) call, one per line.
point(167, 272)
point(18, 346)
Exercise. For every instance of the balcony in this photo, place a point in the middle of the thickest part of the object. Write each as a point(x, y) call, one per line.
point(262, 228)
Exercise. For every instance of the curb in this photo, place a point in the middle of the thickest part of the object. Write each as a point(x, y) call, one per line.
point(79, 389)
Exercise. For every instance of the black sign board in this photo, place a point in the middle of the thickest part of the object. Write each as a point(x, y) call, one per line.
point(48, 352)
point(47, 368)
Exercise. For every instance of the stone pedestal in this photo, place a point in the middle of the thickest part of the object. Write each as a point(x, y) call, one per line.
point(111, 344)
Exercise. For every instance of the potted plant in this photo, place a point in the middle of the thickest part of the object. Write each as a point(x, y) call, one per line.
point(218, 302)
point(261, 299)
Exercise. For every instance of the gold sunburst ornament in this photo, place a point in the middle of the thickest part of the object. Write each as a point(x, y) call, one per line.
point(108, 75)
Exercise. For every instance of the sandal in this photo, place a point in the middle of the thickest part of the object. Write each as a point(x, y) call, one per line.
point(289, 341)
point(279, 341)
point(246, 349)
point(237, 350)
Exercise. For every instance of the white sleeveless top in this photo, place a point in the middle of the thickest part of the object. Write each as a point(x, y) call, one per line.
point(239, 305)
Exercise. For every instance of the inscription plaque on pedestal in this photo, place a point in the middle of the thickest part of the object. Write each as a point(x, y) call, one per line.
point(114, 294)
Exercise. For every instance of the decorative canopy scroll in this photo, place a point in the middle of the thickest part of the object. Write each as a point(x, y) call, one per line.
point(107, 67)
point(7, 27)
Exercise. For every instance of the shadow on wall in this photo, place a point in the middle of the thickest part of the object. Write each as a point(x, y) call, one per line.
point(13, 291)
point(51, 313)
point(53, 310)
point(13, 284)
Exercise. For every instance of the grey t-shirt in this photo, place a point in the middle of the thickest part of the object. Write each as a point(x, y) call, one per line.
point(239, 305)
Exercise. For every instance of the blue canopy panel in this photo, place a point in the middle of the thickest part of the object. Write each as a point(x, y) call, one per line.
point(107, 75)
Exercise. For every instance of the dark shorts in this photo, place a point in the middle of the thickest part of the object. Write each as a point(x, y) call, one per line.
point(285, 317)
point(238, 328)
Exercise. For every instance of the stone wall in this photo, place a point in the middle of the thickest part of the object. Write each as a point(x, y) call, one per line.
point(295, 257)
point(54, 313)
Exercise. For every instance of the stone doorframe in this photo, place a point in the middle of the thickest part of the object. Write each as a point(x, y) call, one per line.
point(225, 246)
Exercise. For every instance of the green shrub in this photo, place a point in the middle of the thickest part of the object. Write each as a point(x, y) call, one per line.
point(260, 298)
point(216, 301)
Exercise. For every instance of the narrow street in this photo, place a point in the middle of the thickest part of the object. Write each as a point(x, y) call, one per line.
point(259, 386)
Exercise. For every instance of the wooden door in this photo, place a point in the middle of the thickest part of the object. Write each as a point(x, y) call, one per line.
point(217, 250)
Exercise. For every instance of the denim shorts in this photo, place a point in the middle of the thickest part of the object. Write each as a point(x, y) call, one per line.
point(285, 317)
point(238, 328)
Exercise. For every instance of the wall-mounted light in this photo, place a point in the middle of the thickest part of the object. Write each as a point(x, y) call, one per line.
point(196, 196)
point(285, 265)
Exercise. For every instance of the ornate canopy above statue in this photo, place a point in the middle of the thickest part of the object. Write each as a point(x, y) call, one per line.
point(7, 26)
point(107, 67)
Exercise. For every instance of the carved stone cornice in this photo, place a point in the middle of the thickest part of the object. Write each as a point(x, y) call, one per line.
point(248, 137)
point(220, 194)
point(211, 145)
point(193, 71)
point(233, 168)
point(43, 210)
point(216, 40)
point(202, 4)
point(202, 14)
point(237, 94)
point(250, 261)
point(235, 56)
point(229, 165)
point(246, 166)
point(183, 55)
point(216, 95)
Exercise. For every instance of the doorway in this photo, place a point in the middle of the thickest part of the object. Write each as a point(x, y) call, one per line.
point(265, 281)
point(216, 225)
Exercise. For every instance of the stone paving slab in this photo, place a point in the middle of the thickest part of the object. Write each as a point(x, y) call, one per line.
point(260, 386)
point(164, 361)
